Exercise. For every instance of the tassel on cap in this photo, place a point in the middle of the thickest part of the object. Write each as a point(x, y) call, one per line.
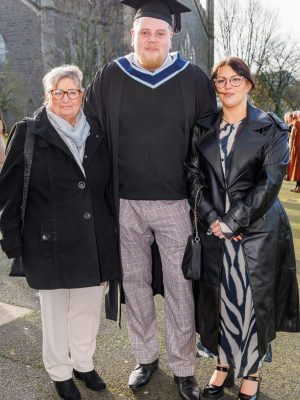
point(176, 23)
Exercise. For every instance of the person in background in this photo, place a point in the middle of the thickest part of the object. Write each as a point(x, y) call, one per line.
point(68, 244)
point(288, 118)
point(147, 103)
point(247, 290)
point(293, 170)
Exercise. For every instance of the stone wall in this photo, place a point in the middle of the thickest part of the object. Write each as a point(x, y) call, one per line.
point(20, 26)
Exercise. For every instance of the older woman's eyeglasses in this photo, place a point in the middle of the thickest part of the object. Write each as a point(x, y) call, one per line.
point(58, 94)
point(234, 81)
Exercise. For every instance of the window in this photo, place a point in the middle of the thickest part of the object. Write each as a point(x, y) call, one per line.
point(2, 50)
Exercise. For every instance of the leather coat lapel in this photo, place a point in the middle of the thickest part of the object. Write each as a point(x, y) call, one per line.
point(209, 147)
point(209, 144)
point(247, 144)
point(249, 140)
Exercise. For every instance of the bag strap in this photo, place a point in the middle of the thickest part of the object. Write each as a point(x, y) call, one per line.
point(197, 238)
point(28, 154)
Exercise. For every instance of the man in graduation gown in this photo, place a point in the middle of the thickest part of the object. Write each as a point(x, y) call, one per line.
point(147, 103)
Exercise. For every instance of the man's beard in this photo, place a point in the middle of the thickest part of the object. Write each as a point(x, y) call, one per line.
point(151, 63)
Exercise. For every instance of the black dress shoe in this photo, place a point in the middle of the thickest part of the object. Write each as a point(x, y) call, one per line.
point(214, 392)
point(91, 379)
point(188, 387)
point(242, 396)
point(141, 374)
point(67, 390)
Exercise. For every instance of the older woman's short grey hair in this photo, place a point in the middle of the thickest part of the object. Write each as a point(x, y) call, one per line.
point(56, 74)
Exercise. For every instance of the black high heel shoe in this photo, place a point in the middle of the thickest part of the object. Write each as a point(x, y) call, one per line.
point(242, 396)
point(213, 391)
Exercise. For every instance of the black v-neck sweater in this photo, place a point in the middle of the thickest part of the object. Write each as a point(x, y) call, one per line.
point(151, 142)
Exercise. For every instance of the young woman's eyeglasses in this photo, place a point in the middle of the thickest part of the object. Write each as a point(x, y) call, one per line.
point(234, 81)
point(58, 94)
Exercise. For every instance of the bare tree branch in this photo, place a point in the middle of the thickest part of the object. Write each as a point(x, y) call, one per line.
point(250, 31)
point(86, 34)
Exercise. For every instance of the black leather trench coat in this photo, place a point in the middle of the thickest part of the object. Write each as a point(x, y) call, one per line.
point(260, 157)
point(70, 237)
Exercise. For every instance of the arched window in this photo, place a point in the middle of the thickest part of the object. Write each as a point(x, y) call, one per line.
point(2, 50)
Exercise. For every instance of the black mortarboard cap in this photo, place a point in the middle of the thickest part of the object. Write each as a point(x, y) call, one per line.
point(161, 9)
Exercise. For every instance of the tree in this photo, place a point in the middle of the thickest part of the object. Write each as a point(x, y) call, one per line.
point(9, 92)
point(86, 33)
point(246, 30)
point(279, 75)
point(293, 96)
point(251, 32)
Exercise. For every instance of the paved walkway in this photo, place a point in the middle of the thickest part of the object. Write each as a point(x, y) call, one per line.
point(9, 313)
point(22, 376)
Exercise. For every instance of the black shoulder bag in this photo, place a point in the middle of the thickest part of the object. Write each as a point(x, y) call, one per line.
point(17, 268)
point(192, 259)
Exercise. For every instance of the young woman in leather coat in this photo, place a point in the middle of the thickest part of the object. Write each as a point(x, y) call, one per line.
point(248, 288)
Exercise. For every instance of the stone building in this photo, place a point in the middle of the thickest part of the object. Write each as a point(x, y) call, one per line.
point(34, 33)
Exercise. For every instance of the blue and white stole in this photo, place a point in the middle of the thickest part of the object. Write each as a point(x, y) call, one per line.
point(168, 70)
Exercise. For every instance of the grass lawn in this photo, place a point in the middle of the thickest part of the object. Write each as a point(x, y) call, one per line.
point(291, 203)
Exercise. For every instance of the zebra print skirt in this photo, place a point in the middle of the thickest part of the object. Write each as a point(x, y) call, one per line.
point(238, 345)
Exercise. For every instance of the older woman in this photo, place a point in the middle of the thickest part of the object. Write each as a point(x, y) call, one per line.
point(248, 289)
point(69, 241)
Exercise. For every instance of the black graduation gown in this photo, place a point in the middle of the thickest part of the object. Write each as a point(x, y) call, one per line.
point(102, 105)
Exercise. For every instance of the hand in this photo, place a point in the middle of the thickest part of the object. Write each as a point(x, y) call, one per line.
point(237, 238)
point(216, 229)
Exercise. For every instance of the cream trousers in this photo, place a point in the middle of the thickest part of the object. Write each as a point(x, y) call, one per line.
point(70, 320)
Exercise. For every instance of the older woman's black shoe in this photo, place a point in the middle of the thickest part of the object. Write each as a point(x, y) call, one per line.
point(91, 379)
point(242, 396)
point(67, 390)
point(215, 392)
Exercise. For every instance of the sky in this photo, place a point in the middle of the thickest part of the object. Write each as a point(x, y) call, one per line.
point(289, 15)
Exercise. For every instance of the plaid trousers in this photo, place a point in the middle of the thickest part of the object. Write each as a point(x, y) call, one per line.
point(169, 222)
